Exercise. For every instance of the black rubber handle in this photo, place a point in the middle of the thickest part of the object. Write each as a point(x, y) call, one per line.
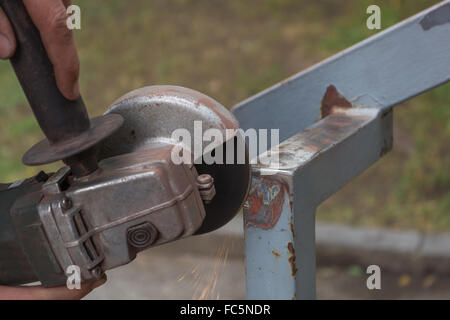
point(58, 117)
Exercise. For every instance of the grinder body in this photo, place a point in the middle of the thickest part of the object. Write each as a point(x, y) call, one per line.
point(121, 191)
point(138, 197)
point(133, 202)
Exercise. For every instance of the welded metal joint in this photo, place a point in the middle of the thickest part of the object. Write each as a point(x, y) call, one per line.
point(279, 216)
point(328, 139)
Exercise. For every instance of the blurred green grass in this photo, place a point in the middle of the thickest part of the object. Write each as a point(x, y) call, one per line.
point(231, 50)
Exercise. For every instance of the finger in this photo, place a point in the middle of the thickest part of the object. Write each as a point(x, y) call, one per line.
point(50, 17)
point(41, 293)
point(63, 293)
point(7, 38)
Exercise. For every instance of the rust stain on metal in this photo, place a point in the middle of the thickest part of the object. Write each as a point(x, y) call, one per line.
point(312, 147)
point(331, 100)
point(331, 129)
point(327, 141)
point(265, 202)
point(291, 259)
point(341, 124)
point(276, 254)
point(291, 226)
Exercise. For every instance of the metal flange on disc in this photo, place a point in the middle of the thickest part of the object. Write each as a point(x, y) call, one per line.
point(44, 152)
point(152, 114)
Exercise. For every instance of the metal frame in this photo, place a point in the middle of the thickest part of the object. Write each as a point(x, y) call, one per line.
point(342, 109)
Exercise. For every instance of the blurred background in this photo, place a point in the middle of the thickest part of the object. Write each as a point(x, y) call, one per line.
point(233, 49)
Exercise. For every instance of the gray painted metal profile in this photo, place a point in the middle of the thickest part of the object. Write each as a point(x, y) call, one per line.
point(280, 213)
point(335, 121)
point(384, 70)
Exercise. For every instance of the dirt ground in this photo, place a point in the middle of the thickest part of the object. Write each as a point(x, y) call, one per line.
point(176, 271)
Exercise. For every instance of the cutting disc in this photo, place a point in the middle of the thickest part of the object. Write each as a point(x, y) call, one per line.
point(152, 114)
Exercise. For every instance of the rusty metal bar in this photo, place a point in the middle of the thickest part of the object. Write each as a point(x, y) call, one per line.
point(351, 94)
point(382, 71)
point(280, 211)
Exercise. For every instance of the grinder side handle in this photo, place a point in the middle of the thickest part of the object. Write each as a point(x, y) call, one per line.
point(58, 117)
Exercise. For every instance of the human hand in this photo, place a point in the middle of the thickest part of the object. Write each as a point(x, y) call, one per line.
point(41, 293)
point(50, 18)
